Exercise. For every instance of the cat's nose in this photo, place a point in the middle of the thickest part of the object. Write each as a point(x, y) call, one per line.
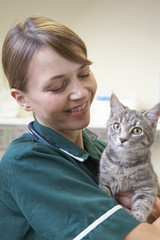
point(123, 140)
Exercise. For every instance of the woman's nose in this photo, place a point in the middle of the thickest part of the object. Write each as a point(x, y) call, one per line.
point(77, 91)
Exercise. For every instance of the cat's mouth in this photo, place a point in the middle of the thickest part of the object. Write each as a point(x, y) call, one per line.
point(123, 142)
point(123, 145)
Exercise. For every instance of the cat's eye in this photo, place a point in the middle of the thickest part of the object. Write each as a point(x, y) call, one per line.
point(117, 126)
point(137, 131)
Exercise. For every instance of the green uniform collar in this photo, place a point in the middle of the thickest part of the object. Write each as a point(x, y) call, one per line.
point(65, 145)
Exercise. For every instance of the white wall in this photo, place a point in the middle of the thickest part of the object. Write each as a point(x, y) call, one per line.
point(123, 40)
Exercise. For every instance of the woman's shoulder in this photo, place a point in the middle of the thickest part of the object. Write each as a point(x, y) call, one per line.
point(17, 151)
point(19, 145)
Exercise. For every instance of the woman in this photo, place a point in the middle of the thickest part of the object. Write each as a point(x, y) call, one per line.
point(49, 178)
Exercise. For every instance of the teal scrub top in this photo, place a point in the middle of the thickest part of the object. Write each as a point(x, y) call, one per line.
point(45, 195)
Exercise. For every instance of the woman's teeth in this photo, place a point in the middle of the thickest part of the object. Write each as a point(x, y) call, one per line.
point(77, 109)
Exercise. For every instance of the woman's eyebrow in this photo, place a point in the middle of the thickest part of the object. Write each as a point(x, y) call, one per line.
point(83, 66)
point(56, 77)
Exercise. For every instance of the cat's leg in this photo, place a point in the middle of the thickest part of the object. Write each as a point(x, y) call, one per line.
point(104, 177)
point(105, 188)
point(109, 185)
point(107, 181)
point(142, 203)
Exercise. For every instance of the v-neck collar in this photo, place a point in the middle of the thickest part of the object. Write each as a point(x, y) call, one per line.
point(65, 145)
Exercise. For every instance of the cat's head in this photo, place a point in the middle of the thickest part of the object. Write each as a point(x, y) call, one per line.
point(131, 129)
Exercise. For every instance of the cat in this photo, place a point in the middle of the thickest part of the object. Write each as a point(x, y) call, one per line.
point(125, 164)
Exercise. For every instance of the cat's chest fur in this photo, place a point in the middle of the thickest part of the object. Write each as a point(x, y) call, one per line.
point(123, 170)
point(122, 177)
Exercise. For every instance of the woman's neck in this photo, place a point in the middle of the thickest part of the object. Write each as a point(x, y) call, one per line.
point(74, 136)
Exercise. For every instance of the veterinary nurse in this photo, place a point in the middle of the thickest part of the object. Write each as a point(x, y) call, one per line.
point(48, 177)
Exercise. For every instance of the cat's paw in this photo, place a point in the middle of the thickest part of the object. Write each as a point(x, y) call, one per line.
point(105, 189)
point(139, 216)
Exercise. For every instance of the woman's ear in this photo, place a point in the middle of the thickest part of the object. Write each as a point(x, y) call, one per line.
point(20, 97)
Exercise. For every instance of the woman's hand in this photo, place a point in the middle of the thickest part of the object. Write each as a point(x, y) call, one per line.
point(124, 198)
point(155, 211)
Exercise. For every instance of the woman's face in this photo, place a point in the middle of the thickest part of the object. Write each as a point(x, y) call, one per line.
point(59, 91)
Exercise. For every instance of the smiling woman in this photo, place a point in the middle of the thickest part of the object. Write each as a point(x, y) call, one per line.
point(49, 178)
point(58, 91)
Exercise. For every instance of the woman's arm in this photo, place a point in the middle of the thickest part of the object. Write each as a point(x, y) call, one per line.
point(145, 231)
point(155, 214)
point(124, 198)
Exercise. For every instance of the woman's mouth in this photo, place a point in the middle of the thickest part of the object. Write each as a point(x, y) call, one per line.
point(77, 109)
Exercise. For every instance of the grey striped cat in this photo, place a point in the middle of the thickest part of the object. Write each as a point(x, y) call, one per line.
point(125, 164)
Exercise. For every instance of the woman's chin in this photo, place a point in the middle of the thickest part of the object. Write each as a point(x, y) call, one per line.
point(84, 125)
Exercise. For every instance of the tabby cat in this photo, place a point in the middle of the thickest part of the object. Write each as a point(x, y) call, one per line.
point(125, 164)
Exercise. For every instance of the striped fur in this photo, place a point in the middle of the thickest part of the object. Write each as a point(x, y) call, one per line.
point(125, 163)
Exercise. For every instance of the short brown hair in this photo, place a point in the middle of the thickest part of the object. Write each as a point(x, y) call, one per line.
point(26, 37)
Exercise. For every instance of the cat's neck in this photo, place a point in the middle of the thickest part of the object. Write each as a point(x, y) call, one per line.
point(127, 157)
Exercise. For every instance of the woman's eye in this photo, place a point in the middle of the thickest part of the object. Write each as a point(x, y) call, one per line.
point(84, 72)
point(117, 126)
point(137, 131)
point(84, 75)
point(58, 89)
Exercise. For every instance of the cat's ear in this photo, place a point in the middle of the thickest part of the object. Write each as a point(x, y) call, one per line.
point(153, 114)
point(116, 105)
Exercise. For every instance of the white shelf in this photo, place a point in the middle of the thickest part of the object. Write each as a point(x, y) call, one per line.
point(15, 121)
point(25, 121)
